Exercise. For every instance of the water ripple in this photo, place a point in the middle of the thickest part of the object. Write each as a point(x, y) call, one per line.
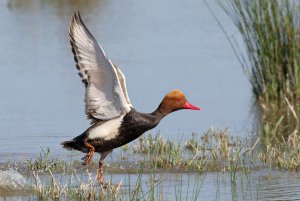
point(11, 180)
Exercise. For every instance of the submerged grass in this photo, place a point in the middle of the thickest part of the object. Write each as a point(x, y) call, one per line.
point(146, 187)
point(282, 152)
point(44, 162)
point(56, 179)
point(158, 152)
point(285, 156)
point(55, 190)
point(215, 150)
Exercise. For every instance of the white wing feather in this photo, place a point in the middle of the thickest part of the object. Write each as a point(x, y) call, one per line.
point(105, 97)
point(122, 80)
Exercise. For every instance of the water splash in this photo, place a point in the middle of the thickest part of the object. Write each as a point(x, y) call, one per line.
point(11, 180)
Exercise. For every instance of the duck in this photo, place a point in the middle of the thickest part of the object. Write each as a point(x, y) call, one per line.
point(114, 121)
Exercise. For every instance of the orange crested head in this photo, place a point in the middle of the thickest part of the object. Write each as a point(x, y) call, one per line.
point(175, 100)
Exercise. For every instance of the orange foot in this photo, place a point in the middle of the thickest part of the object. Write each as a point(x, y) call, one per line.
point(88, 157)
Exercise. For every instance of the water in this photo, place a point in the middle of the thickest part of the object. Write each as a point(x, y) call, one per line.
point(14, 185)
point(11, 180)
point(160, 45)
point(263, 185)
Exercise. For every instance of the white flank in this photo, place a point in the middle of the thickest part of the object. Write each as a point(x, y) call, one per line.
point(107, 130)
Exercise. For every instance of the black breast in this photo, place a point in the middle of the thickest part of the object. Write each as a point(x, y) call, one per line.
point(134, 125)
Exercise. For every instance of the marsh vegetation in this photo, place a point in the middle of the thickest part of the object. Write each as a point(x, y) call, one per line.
point(270, 31)
point(151, 164)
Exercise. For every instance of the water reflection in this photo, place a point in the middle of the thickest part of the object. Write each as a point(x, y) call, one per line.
point(277, 185)
point(262, 185)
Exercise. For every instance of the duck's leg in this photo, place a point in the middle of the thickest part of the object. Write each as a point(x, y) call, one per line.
point(100, 172)
point(88, 157)
point(100, 169)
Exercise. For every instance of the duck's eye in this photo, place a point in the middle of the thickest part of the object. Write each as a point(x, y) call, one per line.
point(178, 100)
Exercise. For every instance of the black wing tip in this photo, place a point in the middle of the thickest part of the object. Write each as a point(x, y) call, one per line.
point(77, 20)
point(76, 16)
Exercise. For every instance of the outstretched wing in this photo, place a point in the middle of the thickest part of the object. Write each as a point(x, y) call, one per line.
point(104, 96)
point(122, 80)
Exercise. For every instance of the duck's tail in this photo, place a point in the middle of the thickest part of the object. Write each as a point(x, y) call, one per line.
point(69, 145)
point(77, 143)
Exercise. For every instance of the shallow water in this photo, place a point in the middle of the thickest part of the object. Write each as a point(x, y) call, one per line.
point(262, 185)
point(11, 180)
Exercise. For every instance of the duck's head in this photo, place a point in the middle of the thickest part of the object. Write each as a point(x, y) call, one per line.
point(175, 100)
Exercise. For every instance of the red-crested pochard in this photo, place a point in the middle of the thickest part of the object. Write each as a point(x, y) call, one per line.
point(114, 121)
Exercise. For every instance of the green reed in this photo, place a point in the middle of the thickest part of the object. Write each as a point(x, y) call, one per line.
point(44, 162)
point(51, 186)
point(159, 152)
point(215, 150)
point(284, 155)
point(271, 33)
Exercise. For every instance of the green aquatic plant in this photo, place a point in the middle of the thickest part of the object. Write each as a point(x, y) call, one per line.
point(44, 162)
point(158, 152)
point(271, 33)
point(196, 186)
point(214, 150)
point(49, 186)
point(282, 152)
point(284, 155)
